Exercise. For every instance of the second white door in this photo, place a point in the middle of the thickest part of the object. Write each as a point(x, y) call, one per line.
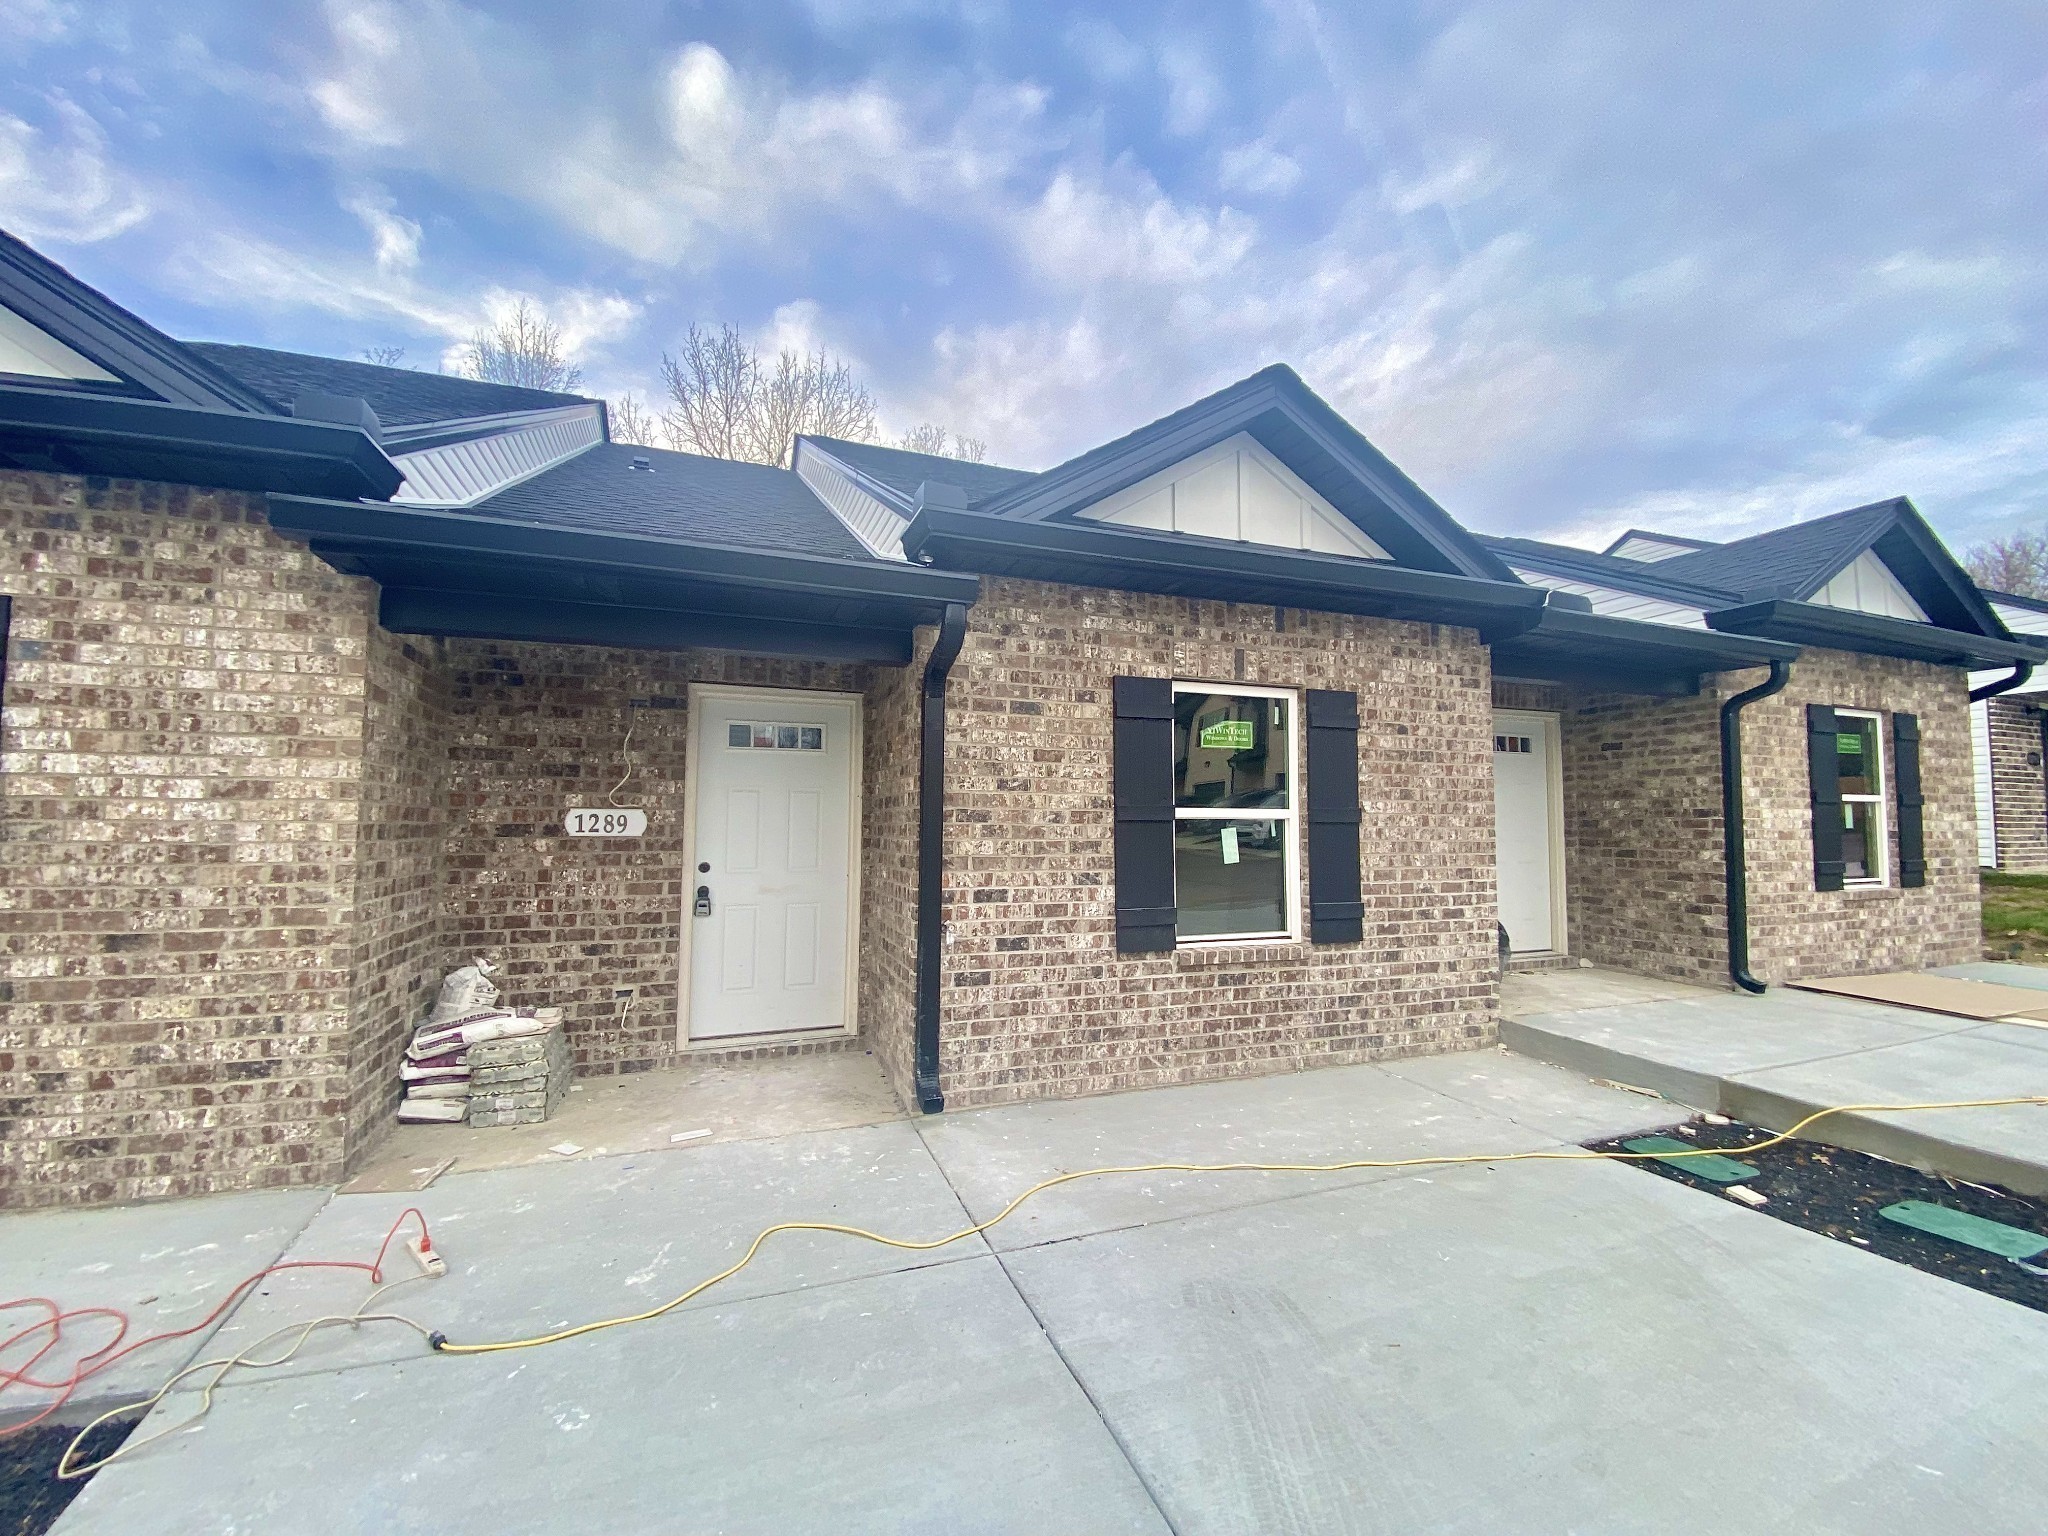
point(770, 892)
point(1525, 830)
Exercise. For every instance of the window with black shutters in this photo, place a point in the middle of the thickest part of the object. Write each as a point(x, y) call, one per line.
point(1236, 850)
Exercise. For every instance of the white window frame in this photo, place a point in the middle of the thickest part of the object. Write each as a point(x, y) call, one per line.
point(1291, 817)
point(1880, 822)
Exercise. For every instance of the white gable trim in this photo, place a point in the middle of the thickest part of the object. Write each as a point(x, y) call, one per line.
point(1867, 585)
point(461, 474)
point(867, 517)
point(1236, 491)
point(29, 351)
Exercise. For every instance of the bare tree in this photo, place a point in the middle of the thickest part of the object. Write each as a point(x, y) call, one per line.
point(2016, 564)
point(524, 348)
point(385, 357)
point(631, 422)
point(936, 440)
point(727, 401)
point(711, 390)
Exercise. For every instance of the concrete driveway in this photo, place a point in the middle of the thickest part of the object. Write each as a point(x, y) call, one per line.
point(1530, 1347)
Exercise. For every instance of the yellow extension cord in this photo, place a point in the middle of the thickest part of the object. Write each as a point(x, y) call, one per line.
point(443, 1346)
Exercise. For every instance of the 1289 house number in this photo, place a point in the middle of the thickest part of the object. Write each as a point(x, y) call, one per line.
point(605, 823)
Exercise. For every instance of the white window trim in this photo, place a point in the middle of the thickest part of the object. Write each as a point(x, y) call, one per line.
point(1291, 816)
point(1881, 825)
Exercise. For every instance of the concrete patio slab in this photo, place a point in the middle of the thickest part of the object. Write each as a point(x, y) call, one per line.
point(1557, 1347)
point(639, 1111)
point(922, 1401)
point(1535, 1094)
point(167, 1265)
point(1311, 1117)
point(1589, 986)
point(2006, 973)
point(531, 1250)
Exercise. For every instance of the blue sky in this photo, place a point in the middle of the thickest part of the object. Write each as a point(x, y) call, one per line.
point(1574, 267)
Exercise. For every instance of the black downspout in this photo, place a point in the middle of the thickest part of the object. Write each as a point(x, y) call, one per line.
point(931, 853)
point(1733, 854)
point(2020, 673)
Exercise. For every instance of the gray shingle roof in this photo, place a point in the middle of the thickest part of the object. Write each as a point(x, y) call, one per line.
point(1786, 562)
point(399, 396)
point(679, 496)
point(903, 471)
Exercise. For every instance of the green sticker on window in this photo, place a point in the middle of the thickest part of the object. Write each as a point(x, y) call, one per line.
point(1228, 735)
point(1849, 743)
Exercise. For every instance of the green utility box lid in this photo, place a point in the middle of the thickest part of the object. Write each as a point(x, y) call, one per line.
point(1708, 1165)
point(1960, 1226)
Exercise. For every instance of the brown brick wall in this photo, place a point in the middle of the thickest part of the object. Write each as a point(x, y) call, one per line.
point(1644, 869)
point(178, 815)
point(401, 823)
point(1036, 1000)
point(890, 736)
point(535, 730)
point(1797, 931)
point(2019, 806)
point(1542, 698)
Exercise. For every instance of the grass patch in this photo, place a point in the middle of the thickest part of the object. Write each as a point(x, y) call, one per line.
point(2016, 913)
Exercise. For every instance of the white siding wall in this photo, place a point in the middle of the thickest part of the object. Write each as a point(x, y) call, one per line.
point(1980, 753)
point(1237, 491)
point(1867, 585)
point(32, 351)
point(1650, 550)
point(1618, 605)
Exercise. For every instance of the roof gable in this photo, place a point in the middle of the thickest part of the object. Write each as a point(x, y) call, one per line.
point(136, 357)
point(1867, 585)
point(1799, 561)
point(1301, 431)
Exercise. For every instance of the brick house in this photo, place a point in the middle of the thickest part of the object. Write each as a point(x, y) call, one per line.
point(2009, 738)
point(1219, 749)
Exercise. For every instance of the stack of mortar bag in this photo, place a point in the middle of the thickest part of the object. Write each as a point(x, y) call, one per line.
point(437, 1068)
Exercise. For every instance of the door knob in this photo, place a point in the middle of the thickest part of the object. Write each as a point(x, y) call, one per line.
point(702, 906)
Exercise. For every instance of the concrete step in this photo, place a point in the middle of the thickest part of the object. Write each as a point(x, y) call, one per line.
point(1917, 1142)
point(1541, 961)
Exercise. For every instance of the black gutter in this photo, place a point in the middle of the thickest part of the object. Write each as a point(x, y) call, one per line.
point(356, 529)
point(931, 854)
point(72, 432)
point(2020, 673)
point(1734, 855)
point(1097, 555)
point(1843, 629)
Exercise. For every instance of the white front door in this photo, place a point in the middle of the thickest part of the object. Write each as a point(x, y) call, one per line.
point(1525, 812)
point(770, 898)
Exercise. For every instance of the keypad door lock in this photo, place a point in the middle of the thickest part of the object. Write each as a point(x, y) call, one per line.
point(702, 908)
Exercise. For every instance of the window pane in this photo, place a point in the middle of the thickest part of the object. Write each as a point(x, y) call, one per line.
point(1856, 753)
point(1230, 750)
point(1230, 877)
point(1859, 840)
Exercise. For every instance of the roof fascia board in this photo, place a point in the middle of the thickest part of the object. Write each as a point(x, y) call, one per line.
point(1843, 629)
point(1104, 471)
point(1633, 637)
point(261, 452)
point(1106, 555)
point(367, 526)
point(94, 326)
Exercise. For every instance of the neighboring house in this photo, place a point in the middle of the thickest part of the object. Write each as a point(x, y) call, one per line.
point(1219, 749)
point(2009, 735)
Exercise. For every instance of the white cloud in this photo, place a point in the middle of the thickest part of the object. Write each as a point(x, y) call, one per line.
point(396, 238)
point(1192, 89)
point(1465, 179)
point(28, 23)
point(1258, 167)
point(1081, 233)
point(738, 158)
point(64, 187)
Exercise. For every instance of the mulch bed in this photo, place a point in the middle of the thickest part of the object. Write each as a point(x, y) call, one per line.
point(1839, 1193)
point(31, 1497)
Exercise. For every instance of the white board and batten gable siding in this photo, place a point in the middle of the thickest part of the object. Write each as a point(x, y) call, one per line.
point(1649, 549)
point(1236, 491)
point(1867, 585)
point(29, 351)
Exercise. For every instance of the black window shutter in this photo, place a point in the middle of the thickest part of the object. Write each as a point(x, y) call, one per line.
point(1142, 779)
point(1906, 775)
point(1336, 915)
point(1824, 770)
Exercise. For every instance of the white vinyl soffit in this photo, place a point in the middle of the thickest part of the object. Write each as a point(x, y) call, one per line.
point(1616, 604)
point(1236, 491)
point(32, 352)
